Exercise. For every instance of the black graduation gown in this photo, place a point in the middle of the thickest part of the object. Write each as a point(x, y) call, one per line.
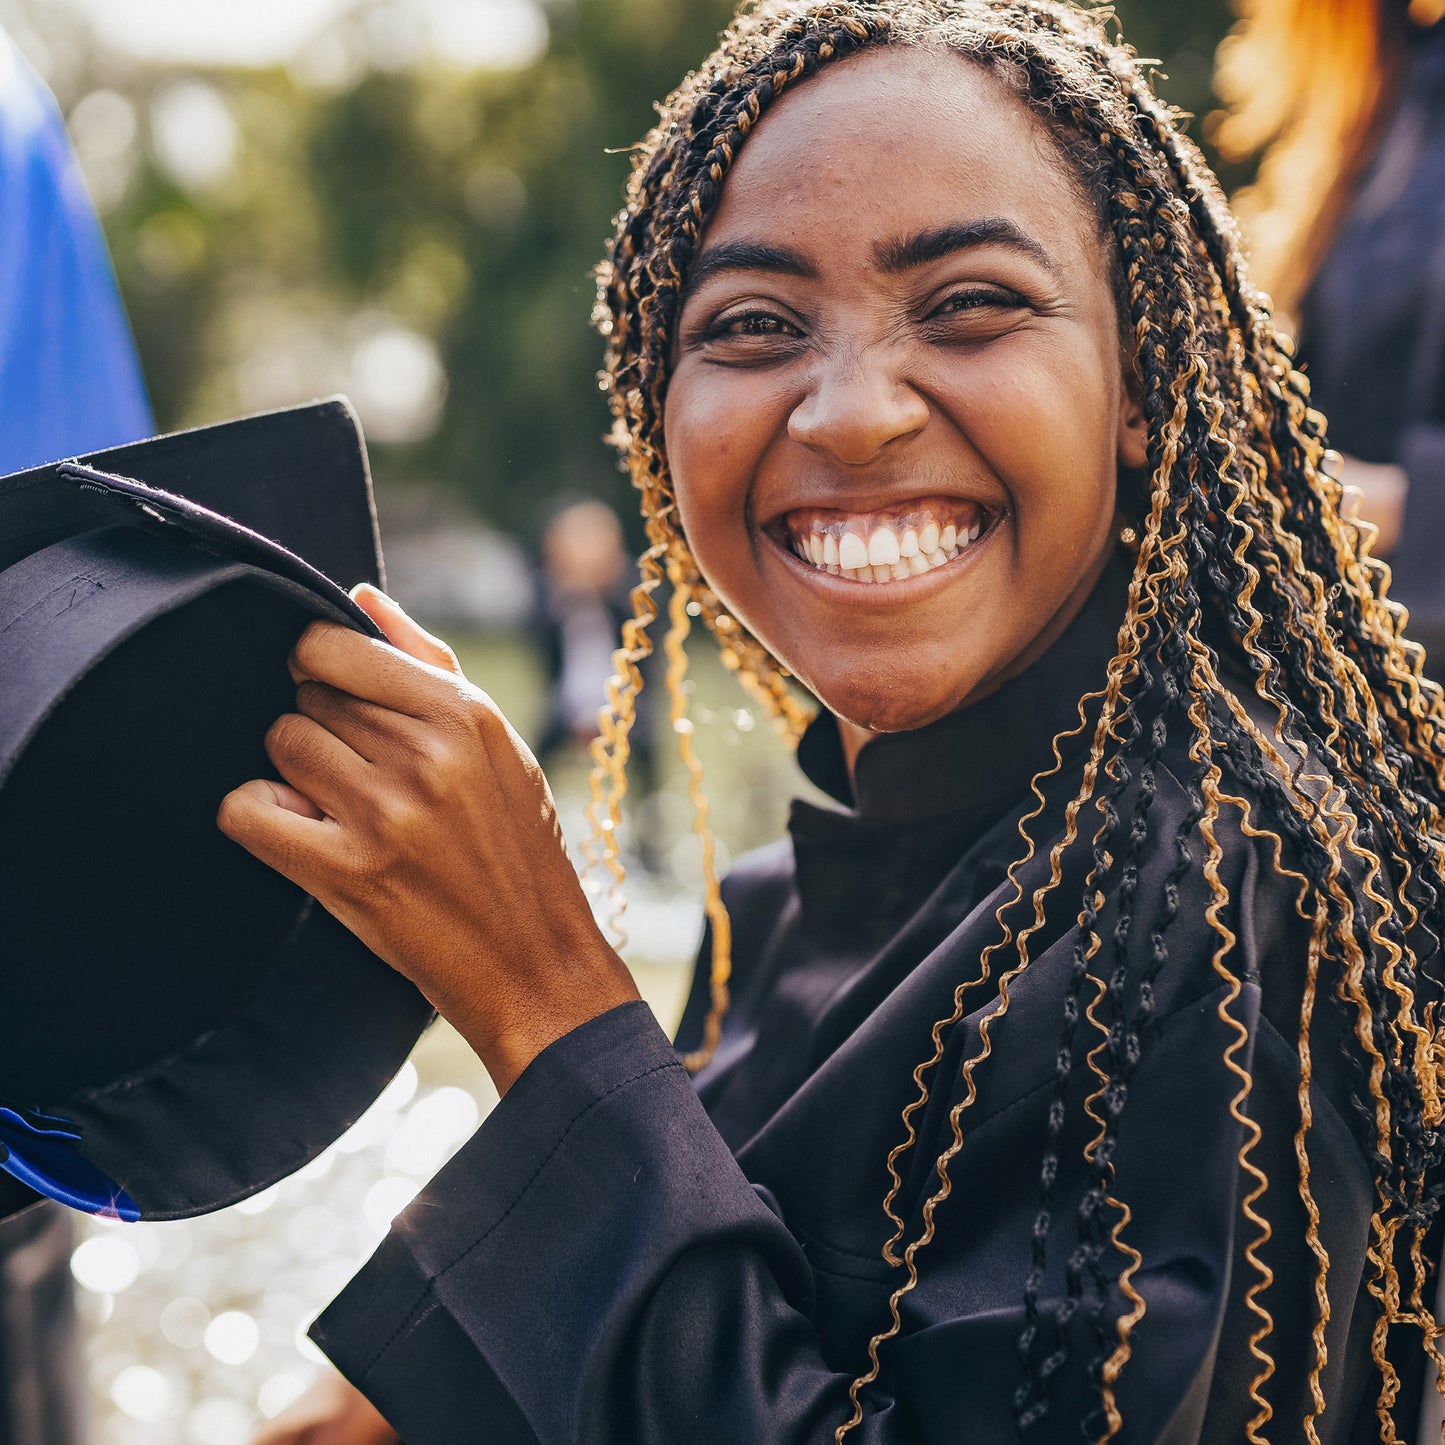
point(623, 1256)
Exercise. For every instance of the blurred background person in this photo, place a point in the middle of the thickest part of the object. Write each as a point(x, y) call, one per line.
point(70, 382)
point(583, 591)
point(1346, 222)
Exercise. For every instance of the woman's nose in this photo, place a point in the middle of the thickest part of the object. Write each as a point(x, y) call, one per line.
point(855, 407)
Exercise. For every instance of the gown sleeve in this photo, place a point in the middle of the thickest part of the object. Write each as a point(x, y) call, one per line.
point(592, 1266)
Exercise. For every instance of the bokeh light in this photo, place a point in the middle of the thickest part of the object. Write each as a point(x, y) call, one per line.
point(194, 134)
point(431, 1131)
point(278, 1392)
point(106, 1264)
point(232, 1337)
point(142, 1393)
point(386, 1199)
point(218, 1421)
point(183, 1322)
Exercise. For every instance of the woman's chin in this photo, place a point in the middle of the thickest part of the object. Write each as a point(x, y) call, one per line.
point(892, 710)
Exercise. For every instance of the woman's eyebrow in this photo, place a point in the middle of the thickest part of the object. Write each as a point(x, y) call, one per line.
point(749, 256)
point(928, 246)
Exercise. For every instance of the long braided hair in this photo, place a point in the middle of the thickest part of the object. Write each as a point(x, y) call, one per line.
point(1244, 562)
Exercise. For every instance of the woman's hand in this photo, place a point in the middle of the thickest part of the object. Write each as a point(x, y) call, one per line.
point(414, 813)
point(331, 1412)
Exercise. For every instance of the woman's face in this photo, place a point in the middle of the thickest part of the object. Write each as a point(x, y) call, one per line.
point(898, 406)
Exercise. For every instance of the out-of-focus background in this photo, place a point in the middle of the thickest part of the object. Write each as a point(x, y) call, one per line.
point(402, 200)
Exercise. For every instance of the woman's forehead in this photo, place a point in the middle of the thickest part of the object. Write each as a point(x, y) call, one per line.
point(893, 143)
point(894, 131)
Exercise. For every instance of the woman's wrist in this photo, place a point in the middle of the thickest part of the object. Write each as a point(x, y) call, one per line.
point(508, 1028)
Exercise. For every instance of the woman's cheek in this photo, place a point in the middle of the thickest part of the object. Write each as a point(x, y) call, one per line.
point(1051, 441)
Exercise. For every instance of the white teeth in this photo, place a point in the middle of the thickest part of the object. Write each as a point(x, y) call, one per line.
point(883, 547)
point(852, 551)
point(887, 554)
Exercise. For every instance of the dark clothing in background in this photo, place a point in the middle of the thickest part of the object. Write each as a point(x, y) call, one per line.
point(1372, 330)
point(620, 1257)
point(42, 1382)
point(576, 635)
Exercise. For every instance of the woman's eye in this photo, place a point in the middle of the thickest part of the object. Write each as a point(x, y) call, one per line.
point(743, 334)
point(975, 299)
point(748, 323)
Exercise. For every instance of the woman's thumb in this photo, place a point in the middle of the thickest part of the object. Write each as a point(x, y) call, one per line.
point(401, 631)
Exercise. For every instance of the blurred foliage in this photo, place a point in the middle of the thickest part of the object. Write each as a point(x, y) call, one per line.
point(421, 236)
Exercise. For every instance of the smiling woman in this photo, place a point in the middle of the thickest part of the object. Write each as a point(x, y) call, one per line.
point(883, 351)
point(1078, 1075)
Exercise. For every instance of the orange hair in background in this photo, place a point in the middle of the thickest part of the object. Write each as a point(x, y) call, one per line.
point(1308, 83)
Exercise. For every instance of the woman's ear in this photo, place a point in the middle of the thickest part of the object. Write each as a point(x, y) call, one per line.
point(1133, 441)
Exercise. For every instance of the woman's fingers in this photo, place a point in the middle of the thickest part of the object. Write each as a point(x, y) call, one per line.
point(283, 795)
point(280, 827)
point(369, 730)
point(402, 631)
point(316, 763)
point(368, 668)
point(383, 673)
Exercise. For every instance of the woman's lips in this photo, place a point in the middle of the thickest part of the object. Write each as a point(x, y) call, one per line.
point(888, 545)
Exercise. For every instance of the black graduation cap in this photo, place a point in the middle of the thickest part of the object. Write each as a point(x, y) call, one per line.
point(179, 1025)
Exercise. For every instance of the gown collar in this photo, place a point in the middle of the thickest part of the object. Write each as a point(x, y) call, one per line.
point(977, 761)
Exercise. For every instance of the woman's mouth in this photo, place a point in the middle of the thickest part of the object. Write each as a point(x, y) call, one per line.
point(890, 545)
